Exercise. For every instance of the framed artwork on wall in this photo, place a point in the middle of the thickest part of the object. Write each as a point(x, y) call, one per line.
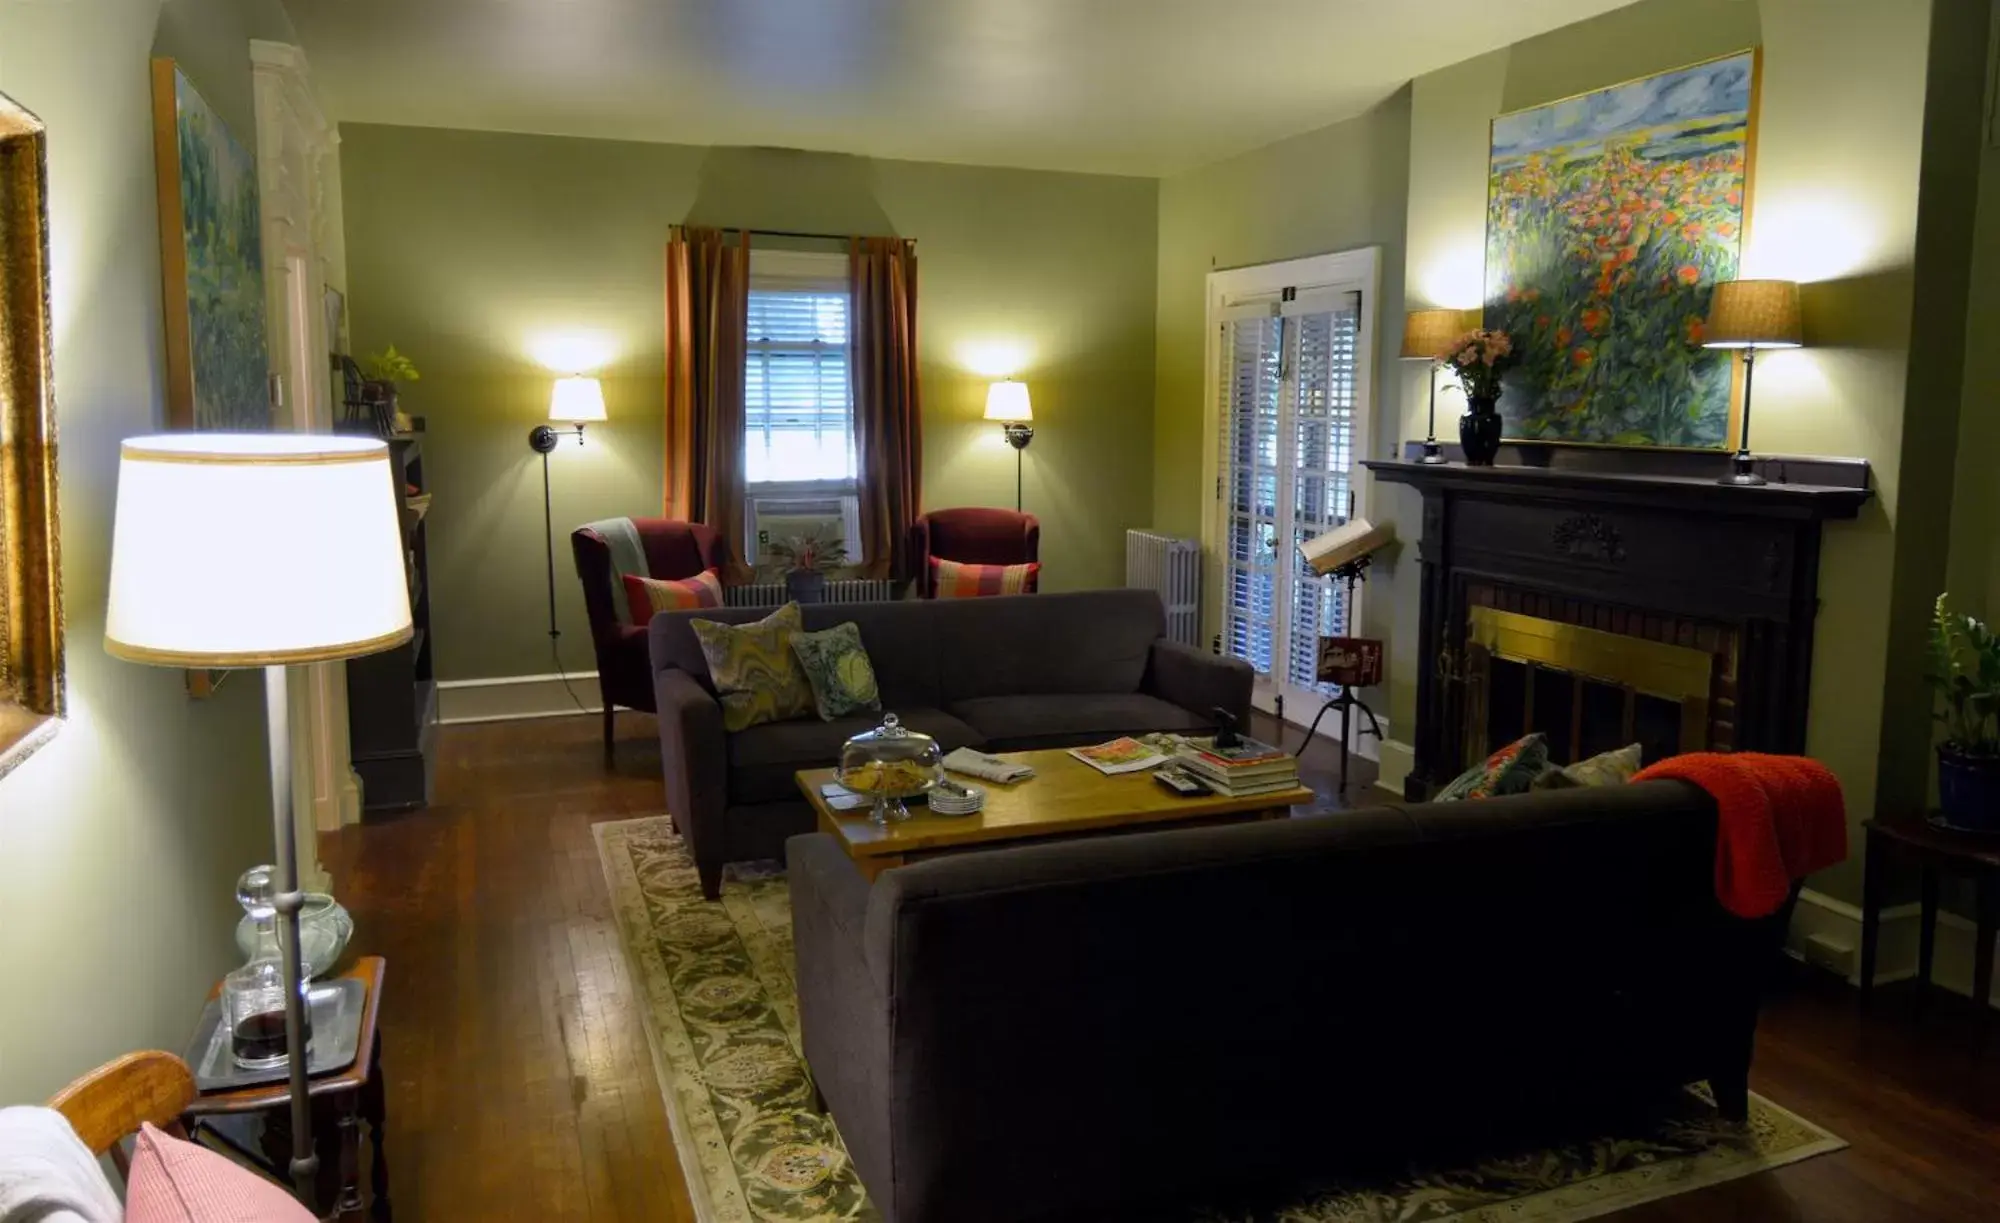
point(212, 261)
point(31, 619)
point(1610, 218)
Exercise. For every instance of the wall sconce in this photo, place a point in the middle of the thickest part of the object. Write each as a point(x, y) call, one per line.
point(1007, 402)
point(577, 402)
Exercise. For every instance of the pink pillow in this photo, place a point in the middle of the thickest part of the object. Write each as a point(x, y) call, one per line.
point(178, 1182)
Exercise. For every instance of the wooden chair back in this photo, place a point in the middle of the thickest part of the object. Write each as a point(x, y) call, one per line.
point(112, 1101)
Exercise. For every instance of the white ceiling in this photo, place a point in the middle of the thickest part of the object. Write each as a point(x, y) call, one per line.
point(1115, 86)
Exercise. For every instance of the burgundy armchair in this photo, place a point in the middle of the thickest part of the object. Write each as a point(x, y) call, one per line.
point(974, 535)
point(671, 550)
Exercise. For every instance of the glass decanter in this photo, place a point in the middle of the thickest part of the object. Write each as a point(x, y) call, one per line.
point(889, 764)
point(253, 997)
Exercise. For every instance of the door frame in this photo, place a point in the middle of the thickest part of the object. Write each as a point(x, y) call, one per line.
point(1358, 271)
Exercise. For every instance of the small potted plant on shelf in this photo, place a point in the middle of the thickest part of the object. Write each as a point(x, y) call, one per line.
point(1479, 358)
point(384, 371)
point(1965, 673)
point(805, 560)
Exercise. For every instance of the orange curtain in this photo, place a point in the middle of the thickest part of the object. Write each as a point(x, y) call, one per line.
point(708, 316)
point(888, 417)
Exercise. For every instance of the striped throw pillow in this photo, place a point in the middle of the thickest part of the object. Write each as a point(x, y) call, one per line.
point(647, 596)
point(954, 580)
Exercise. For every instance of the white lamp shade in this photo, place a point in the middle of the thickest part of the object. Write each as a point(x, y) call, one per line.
point(577, 401)
point(1008, 401)
point(239, 550)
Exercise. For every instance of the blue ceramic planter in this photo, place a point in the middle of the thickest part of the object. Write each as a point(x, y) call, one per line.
point(1969, 790)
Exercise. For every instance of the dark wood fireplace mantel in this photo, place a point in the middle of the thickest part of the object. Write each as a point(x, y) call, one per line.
point(1643, 537)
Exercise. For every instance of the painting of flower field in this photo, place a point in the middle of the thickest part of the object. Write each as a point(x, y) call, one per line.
point(1610, 217)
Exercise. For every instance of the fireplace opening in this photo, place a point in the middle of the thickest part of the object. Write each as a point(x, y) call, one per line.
point(1586, 689)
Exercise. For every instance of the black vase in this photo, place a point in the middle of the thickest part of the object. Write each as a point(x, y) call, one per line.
point(1479, 431)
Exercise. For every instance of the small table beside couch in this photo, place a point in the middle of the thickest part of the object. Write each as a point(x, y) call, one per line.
point(999, 674)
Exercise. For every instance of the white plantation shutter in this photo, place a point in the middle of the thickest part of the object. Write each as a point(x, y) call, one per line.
point(798, 393)
point(1288, 419)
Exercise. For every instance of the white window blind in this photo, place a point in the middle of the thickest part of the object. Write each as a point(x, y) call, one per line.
point(1287, 414)
point(799, 399)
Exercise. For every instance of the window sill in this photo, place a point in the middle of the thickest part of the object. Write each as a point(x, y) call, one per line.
point(21, 734)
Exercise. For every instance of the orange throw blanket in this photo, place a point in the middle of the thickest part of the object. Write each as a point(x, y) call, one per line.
point(1779, 819)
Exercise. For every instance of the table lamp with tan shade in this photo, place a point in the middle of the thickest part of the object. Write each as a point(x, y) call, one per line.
point(1751, 315)
point(260, 550)
point(1426, 334)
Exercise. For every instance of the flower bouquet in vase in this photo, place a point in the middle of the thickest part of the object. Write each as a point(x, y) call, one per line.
point(1479, 358)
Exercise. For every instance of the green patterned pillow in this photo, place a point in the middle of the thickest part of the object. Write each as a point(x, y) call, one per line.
point(837, 667)
point(1511, 770)
point(1613, 768)
point(754, 669)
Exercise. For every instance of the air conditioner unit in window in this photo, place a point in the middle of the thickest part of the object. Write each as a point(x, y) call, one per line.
point(773, 519)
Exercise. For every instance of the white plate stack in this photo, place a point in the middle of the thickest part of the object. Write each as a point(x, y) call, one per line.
point(956, 798)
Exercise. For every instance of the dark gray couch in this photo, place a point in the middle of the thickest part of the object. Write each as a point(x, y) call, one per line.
point(1003, 674)
point(1124, 1026)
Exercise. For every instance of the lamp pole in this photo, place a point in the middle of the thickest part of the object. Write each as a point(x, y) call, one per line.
point(288, 902)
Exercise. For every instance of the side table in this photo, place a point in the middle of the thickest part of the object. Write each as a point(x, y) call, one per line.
point(341, 1099)
point(1934, 850)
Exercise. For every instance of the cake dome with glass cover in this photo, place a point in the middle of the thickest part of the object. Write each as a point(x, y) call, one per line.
point(890, 764)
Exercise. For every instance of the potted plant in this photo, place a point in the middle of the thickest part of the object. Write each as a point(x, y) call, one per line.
point(805, 560)
point(384, 370)
point(1479, 358)
point(1965, 673)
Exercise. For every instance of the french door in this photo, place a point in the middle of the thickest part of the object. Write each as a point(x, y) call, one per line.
point(1291, 407)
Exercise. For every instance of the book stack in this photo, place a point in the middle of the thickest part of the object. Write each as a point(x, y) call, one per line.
point(1248, 768)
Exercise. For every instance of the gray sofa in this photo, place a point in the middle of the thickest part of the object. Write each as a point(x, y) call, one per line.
point(1002, 674)
point(1129, 1026)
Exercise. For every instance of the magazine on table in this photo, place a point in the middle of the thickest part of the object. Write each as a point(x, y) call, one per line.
point(1120, 756)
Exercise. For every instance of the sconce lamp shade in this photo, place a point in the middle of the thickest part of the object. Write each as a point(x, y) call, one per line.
point(239, 550)
point(577, 401)
point(1753, 314)
point(1008, 401)
point(1426, 333)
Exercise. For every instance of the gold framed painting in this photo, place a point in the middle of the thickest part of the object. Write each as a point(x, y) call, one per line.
point(1610, 218)
point(31, 620)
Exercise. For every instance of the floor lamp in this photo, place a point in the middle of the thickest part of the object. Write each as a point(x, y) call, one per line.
point(261, 550)
point(575, 402)
point(1007, 402)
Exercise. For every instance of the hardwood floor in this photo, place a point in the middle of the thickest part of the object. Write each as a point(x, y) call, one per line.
point(520, 1084)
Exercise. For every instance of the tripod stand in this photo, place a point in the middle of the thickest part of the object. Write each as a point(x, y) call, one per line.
point(1350, 573)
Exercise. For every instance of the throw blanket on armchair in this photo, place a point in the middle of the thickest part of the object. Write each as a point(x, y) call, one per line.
point(1778, 819)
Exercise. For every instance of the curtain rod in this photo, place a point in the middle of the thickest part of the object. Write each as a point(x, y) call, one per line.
point(793, 233)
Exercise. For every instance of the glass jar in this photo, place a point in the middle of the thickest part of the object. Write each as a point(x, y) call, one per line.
point(253, 997)
point(890, 764)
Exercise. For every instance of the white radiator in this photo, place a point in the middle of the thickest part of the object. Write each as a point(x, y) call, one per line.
point(847, 590)
point(1172, 568)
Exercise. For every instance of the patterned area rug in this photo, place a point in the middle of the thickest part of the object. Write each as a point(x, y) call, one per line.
point(724, 1027)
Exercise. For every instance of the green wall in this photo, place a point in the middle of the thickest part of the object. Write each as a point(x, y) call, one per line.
point(1335, 189)
point(1841, 134)
point(120, 841)
point(466, 248)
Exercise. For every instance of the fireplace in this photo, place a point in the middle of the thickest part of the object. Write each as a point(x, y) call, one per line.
point(1589, 690)
point(1606, 597)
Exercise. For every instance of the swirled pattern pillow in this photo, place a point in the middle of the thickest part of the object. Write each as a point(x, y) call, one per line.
point(754, 670)
point(837, 667)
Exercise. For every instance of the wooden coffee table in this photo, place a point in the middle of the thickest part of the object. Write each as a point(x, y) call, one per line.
point(1065, 798)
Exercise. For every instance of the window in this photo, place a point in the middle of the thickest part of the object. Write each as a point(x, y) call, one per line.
point(799, 399)
point(1289, 372)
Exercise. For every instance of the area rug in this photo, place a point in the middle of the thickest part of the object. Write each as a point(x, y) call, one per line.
point(722, 1018)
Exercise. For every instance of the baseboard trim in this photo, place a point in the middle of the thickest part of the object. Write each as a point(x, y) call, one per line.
point(514, 698)
point(1396, 761)
point(1827, 931)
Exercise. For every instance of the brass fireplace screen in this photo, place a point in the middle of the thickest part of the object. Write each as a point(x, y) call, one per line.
point(1588, 690)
